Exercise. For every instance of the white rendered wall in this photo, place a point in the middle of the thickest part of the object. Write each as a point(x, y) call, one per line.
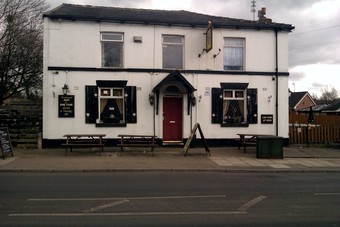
point(77, 44)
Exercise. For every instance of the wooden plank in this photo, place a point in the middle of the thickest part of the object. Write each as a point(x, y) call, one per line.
point(188, 142)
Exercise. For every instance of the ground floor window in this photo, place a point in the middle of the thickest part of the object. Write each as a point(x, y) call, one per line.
point(111, 104)
point(234, 104)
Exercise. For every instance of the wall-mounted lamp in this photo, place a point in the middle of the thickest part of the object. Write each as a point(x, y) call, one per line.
point(204, 50)
point(151, 99)
point(219, 51)
point(65, 89)
point(193, 100)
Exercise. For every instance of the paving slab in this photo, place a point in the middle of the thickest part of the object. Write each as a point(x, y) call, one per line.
point(224, 159)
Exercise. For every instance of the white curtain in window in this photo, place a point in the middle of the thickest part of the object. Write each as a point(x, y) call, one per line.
point(233, 54)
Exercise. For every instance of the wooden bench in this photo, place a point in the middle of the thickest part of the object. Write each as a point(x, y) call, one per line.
point(137, 141)
point(248, 140)
point(83, 140)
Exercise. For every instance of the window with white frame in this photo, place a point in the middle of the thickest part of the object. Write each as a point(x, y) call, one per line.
point(233, 54)
point(233, 106)
point(111, 105)
point(173, 51)
point(112, 49)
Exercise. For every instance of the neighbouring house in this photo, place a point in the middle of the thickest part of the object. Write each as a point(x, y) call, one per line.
point(299, 101)
point(159, 72)
point(333, 108)
point(317, 109)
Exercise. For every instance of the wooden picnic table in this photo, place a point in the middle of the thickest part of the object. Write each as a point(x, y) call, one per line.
point(128, 140)
point(248, 139)
point(83, 140)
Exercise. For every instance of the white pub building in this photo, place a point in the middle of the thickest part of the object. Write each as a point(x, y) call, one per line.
point(137, 71)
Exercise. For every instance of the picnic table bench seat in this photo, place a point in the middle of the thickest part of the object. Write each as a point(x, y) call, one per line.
point(248, 140)
point(83, 140)
point(127, 140)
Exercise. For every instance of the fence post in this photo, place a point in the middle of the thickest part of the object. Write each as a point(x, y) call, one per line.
point(39, 145)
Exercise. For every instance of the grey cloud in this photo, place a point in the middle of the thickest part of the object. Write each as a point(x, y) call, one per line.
point(296, 76)
point(318, 85)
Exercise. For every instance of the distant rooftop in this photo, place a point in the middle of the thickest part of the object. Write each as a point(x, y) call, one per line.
point(296, 97)
point(156, 17)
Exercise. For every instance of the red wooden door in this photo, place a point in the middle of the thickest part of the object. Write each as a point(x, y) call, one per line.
point(172, 118)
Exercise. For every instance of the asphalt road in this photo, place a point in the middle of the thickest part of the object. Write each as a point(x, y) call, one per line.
point(169, 199)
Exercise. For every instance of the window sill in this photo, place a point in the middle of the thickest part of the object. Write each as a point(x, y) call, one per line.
point(118, 125)
point(235, 125)
point(234, 70)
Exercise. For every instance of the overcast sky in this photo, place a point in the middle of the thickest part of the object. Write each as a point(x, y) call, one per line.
point(314, 45)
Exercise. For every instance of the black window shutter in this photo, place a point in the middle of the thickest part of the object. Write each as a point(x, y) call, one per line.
point(91, 106)
point(130, 104)
point(252, 106)
point(216, 105)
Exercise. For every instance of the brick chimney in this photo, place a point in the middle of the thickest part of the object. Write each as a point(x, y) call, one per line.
point(262, 16)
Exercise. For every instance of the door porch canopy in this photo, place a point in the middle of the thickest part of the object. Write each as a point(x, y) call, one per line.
point(175, 78)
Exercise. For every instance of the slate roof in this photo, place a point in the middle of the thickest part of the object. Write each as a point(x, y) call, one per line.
point(316, 108)
point(333, 107)
point(156, 17)
point(295, 98)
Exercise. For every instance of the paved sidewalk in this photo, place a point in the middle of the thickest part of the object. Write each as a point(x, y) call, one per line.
point(230, 159)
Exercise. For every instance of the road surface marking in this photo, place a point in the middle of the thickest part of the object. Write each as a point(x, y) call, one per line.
point(251, 203)
point(327, 193)
point(102, 207)
point(125, 214)
point(128, 198)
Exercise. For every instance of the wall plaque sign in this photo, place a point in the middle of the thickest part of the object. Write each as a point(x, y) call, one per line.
point(267, 118)
point(66, 106)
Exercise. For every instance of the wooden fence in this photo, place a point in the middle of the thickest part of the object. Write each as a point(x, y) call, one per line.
point(24, 121)
point(324, 130)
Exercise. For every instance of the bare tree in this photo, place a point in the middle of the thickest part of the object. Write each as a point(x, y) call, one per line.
point(21, 46)
point(328, 94)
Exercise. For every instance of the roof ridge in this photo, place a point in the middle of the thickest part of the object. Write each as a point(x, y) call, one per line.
point(155, 16)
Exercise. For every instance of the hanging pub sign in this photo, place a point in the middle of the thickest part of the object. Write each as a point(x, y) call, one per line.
point(5, 143)
point(267, 118)
point(209, 36)
point(66, 106)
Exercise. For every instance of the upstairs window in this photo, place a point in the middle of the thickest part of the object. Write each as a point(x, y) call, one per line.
point(233, 54)
point(112, 49)
point(173, 51)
